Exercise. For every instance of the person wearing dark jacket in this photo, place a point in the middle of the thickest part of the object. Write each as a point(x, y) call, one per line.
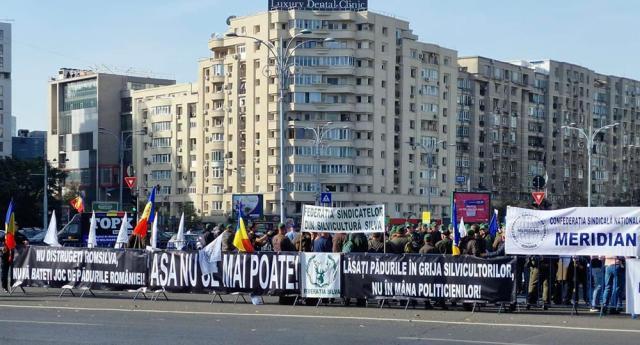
point(227, 239)
point(428, 248)
point(499, 250)
point(444, 245)
point(338, 241)
point(281, 242)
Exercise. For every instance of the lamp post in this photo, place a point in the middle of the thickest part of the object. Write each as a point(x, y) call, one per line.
point(319, 134)
point(430, 150)
point(282, 55)
point(589, 136)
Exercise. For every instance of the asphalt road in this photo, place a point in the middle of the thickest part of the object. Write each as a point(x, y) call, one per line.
point(113, 318)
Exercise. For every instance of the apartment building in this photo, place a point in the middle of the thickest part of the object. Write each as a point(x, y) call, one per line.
point(90, 113)
point(500, 131)
point(583, 98)
point(6, 131)
point(368, 109)
point(170, 154)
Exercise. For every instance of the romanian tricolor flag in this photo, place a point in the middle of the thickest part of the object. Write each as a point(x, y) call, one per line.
point(10, 228)
point(241, 238)
point(455, 249)
point(147, 216)
point(78, 204)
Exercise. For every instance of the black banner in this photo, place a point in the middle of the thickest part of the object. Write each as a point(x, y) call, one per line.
point(179, 271)
point(428, 276)
point(95, 267)
point(259, 273)
point(319, 5)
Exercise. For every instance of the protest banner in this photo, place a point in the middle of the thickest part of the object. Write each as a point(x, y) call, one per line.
point(93, 267)
point(428, 276)
point(633, 286)
point(605, 231)
point(179, 271)
point(320, 275)
point(259, 273)
point(343, 219)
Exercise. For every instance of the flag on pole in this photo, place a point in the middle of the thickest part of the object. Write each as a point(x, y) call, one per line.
point(462, 229)
point(153, 242)
point(493, 224)
point(180, 235)
point(146, 217)
point(210, 255)
point(455, 249)
point(91, 239)
point(123, 238)
point(78, 204)
point(241, 238)
point(10, 227)
point(51, 238)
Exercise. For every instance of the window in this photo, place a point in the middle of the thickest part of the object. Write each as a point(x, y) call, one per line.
point(82, 141)
point(161, 126)
point(217, 155)
point(162, 110)
point(161, 174)
point(161, 142)
point(217, 172)
point(161, 158)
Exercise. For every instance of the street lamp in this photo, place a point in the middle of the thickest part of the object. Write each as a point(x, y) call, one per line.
point(430, 150)
point(121, 141)
point(319, 134)
point(282, 55)
point(589, 136)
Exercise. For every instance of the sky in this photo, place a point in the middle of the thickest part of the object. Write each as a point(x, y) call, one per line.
point(167, 38)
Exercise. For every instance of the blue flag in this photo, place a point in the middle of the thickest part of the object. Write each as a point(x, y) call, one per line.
point(493, 224)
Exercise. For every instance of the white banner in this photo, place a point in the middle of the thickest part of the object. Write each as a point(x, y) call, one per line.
point(320, 275)
point(633, 286)
point(343, 219)
point(609, 231)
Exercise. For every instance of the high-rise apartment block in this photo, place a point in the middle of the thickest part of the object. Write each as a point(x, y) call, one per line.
point(5, 90)
point(89, 116)
point(369, 114)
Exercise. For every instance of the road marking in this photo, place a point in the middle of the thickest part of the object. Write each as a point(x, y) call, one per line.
point(51, 322)
point(461, 341)
point(334, 317)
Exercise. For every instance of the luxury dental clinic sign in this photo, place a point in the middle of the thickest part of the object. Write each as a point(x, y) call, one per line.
point(611, 231)
point(319, 5)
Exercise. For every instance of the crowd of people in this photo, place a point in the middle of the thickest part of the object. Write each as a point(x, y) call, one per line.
point(599, 281)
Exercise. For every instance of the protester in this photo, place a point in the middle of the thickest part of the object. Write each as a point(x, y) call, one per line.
point(281, 242)
point(597, 278)
point(500, 251)
point(564, 281)
point(291, 232)
point(323, 243)
point(263, 243)
point(302, 242)
point(7, 259)
point(538, 275)
point(356, 243)
point(427, 247)
point(444, 245)
point(337, 242)
point(227, 239)
point(375, 243)
point(613, 277)
point(137, 242)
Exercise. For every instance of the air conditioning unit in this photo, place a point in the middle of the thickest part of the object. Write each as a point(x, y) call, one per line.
point(206, 129)
point(426, 79)
point(179, 149)
point(257, 141)
point(236, 56)
point(227, 87)
point(179, 166)
point(229, 74)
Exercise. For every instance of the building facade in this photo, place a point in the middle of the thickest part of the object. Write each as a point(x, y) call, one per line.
point(369, 116)
point(89, 115)
point(5, 90)
point(170, 155)
point(29, 145)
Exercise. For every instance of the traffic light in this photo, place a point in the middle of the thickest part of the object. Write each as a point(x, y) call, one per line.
point(134, 204)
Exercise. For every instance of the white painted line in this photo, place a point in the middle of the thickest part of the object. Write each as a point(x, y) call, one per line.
point(333, 317)
point(460, 341)
point(50, 322)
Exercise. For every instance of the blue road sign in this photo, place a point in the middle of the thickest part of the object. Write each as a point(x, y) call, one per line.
point(461, 179)
point(325, 198)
